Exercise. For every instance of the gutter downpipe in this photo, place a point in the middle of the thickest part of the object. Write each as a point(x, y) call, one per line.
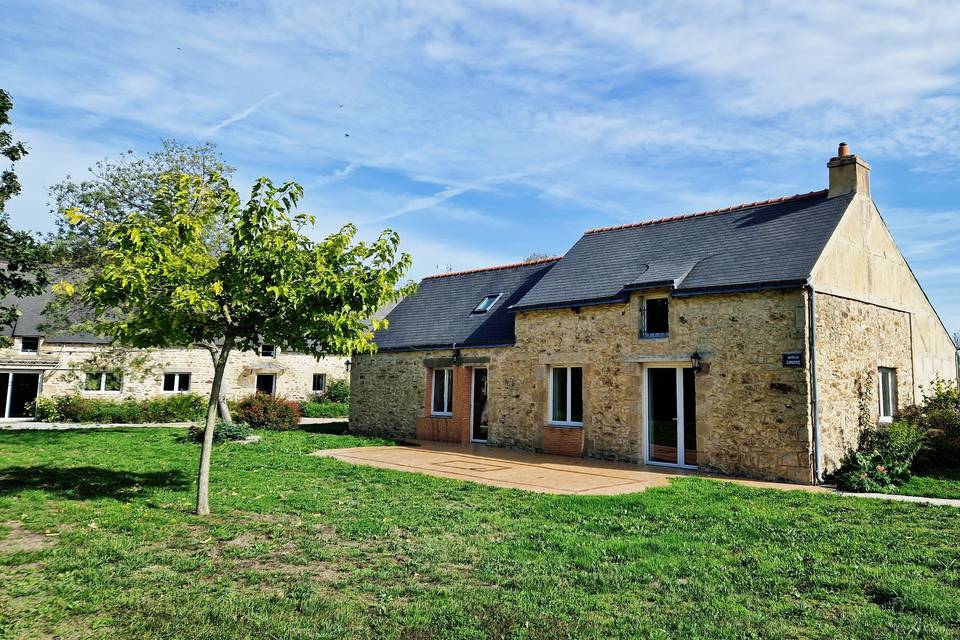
point(814, 402)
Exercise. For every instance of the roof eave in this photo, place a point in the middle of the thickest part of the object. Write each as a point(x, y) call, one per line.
point(446, 346)
point(741, 288)
point(616, 299)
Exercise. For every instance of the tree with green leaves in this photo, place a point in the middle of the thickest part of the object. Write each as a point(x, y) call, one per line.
point(117, 187)
point(22, 264)
point(162, 282)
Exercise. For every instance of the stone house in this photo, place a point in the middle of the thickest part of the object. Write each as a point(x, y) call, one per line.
point(33, 364)
point(757, 340)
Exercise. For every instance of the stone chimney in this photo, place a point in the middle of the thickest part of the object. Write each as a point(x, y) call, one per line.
point(848, 173)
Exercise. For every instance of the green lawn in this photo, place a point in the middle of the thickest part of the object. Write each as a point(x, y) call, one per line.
point(97, 540)
point(934, 483)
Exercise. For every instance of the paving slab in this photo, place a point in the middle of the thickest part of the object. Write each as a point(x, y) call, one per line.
point(530, 471)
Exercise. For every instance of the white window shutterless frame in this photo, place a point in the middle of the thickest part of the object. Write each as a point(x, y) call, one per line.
point(887, 393)
point(565, 402)
point(442, 402)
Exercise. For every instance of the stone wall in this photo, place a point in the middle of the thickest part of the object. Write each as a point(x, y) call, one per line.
point(389, 394)
point(862, 262)
point(753, 415)
point(62, 363)
point(854, 339)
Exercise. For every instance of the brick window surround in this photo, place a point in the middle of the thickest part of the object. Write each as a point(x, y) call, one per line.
point(452, 428)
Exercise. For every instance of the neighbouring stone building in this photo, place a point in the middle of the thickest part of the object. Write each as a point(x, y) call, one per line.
point(33, 364)
point(755, 340)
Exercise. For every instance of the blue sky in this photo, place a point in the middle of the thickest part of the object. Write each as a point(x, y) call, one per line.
point(486, 131)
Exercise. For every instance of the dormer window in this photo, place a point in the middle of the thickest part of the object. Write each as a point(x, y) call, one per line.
point(654, 318)
point(29, 344)
point(487, 303)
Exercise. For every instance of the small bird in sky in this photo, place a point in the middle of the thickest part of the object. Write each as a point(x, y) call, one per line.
point(346, 135)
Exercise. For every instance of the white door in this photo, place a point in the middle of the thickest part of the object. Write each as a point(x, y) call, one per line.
point(671, 410)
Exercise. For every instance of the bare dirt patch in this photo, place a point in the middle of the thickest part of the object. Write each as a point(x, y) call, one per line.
point(21, 539)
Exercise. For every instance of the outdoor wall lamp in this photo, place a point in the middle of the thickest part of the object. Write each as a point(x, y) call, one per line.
point(695, 362)
point(346, 365)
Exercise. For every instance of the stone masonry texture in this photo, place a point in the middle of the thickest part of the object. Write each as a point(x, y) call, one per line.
point(753, 414)
point(65, 376)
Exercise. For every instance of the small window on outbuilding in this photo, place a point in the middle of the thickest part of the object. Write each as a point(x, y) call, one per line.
point(319, 382)
point(176, 382)
point(654, 318)
point(487, 303)
point(30, 344)
point(268, 351)
point(103, 381)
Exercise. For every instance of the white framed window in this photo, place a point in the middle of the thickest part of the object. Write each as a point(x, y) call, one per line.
point(442, 403)
point(30, 344)
point(176, 382)
point(268, 351)
point(487, 303)
point(566, 396)
point(887, 393)
point(655, 317)
point(319, 382)
point(103, 381)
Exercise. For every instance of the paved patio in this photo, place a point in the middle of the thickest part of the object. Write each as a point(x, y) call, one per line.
point(529, 471)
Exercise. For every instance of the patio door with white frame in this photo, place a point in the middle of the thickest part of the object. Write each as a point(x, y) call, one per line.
point(671, 415)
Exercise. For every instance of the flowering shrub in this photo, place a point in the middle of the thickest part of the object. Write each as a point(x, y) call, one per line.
point(266, 411)
point(182, 407)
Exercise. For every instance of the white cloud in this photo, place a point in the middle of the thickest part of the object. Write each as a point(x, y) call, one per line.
point(626, 110)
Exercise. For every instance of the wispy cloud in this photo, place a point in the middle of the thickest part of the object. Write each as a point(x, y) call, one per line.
point(240, 115)
point(542, 116)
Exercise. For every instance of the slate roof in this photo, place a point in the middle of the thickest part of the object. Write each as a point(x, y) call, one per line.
point(761, 245)
point(31, 317)
point(439, 314)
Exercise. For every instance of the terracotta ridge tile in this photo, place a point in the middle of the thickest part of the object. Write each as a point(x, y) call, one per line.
point(700, 214)
point(494, 268)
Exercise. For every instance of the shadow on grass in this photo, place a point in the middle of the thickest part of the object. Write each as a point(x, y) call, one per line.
point(85, 483)
point(335, 428)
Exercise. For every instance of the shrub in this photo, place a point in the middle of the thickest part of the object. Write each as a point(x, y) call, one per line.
point(44, 410)
point(938, 415)
point(883, 458)
point(314, 409)
point(336, 392)
point(185, 407)
point(222, 432)
point(180, 407)
point(265, 411)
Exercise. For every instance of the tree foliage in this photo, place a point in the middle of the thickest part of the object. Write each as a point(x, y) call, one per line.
point(161, 282)
point(22, 271)
point(118, 187)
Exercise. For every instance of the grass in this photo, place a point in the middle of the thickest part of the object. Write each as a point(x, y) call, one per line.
point(312, 409)
point(97, 541)
point(933, 483)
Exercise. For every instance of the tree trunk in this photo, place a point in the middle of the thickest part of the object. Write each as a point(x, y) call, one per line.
point(203, 478)
point(225, 410)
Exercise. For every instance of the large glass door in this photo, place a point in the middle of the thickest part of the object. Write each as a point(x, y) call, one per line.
point(671, 416)
point(17, 392)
